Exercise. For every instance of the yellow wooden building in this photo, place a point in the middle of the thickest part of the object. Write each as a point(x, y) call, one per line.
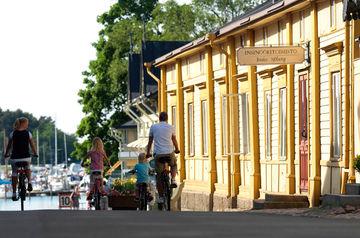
point(247, 131)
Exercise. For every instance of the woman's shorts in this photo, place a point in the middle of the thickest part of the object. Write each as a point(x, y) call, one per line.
point(14, 168)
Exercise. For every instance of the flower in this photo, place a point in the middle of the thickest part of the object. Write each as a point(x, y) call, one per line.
point(124, 186)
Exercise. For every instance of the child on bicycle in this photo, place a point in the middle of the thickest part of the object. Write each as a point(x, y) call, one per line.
point(19, 141)
point(97, 155)
point(142, 170)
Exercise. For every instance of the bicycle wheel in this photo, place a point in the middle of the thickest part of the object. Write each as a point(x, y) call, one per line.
point(97, 201)
point(167, 196)
point(142, 205)
point(22, 190)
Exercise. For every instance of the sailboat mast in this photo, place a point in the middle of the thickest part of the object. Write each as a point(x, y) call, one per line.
point(65, 151)
point(56, 159)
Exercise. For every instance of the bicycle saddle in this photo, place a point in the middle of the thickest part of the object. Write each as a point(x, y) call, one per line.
point(21, 164)
point(96, 173)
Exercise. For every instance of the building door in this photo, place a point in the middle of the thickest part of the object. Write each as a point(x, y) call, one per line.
point(304, 144)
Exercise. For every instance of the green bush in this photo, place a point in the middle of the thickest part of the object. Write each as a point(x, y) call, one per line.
point(124, 186)
point(357, 163)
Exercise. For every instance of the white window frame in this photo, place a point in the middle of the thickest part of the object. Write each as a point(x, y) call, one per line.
point(224, 125)
point(282, 123)
point(245, 123)
point(191, 131)
point(332, 13)
point(302, 25)
point(173, 116)
point(336, 114)
point(202, 63)
point(204, 127)
point(267, 121)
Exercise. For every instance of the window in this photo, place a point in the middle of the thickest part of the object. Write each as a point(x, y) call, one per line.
point(204, 119)
point(283, 123)
point(223, 125)
point(268, 123)
point(242, 41)
point(336, 114)
point(187, 68)
point(221, 56)
point(265, 36)
point(202, 63)
point(245, 126)
point(173, 116)
point(172, 68)
point(281, 33)
point(302, 25)
point(191, 128)
point(332, 13)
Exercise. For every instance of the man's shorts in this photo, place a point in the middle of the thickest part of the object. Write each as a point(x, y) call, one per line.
point(14, 168)
point(159, 167)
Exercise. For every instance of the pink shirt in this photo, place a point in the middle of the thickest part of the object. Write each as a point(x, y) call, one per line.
point(97, 160)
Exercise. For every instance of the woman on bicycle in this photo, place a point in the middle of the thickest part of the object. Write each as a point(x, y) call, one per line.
point(19, 141)
point(97, 155)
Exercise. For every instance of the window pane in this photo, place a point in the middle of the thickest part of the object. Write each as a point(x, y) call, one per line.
point(191, 128)
point(283, 123)
point(332, 13)
point(336, 120)
point(245, 136)
point(268, 123)
point(204, 127)
point(224, 122)
point(173, 116)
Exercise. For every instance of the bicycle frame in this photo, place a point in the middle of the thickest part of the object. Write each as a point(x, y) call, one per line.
point(143, 197)
point(167, 190)
point(21, 184)
point(97, 193)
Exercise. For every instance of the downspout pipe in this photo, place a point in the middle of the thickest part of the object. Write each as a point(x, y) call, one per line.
point(148, 70)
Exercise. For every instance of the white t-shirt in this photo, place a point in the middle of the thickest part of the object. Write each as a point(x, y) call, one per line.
point(162, 133)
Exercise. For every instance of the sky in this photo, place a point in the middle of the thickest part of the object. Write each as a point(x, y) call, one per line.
point(44, 47)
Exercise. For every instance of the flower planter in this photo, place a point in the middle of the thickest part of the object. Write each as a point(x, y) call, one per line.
point(122, 202)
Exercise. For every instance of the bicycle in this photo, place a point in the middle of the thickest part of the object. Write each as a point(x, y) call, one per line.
point(21, 169)
point(167, 187)
point(143, 197)
point(97, 193)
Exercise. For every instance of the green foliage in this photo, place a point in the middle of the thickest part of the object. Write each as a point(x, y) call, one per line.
point(45, 126)
point(124, 186)
point(357, 163)
point(105, 79)
point(212, 14)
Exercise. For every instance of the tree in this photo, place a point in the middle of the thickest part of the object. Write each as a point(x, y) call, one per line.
point(105, 79)
point(212, 14)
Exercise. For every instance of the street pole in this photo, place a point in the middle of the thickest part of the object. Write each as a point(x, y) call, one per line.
point(65, 150)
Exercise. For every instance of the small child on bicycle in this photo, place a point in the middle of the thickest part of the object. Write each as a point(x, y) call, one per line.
point(142, 170)
point(97, 156)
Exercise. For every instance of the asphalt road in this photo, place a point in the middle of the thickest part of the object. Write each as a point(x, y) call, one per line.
point(53, 224)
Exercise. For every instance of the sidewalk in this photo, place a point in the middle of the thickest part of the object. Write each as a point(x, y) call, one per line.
point(338, 212)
